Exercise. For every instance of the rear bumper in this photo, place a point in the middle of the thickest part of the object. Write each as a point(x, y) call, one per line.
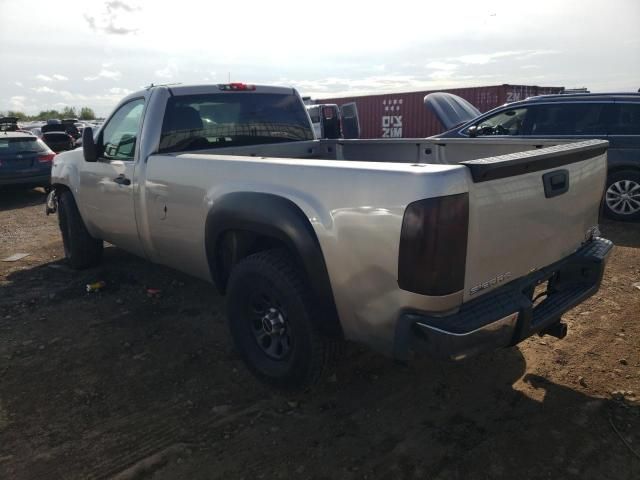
point(507, 315)
point(32, 179)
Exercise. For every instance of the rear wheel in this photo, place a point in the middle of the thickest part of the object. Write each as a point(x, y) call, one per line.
point(269, 309)
point(622, 196)
point(80, 248)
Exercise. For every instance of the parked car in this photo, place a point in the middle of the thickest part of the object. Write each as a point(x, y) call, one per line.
point(418, 244)
point(80, 126)
point(71, 127)
point(8, 124)
point(37, 131)
point(614, 117)
point(56, 137)
point(24, 160)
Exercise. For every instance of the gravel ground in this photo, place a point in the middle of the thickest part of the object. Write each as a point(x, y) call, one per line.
point(118, 384)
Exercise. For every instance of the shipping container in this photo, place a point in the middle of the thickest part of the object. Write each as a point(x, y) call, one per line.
point(405, 115)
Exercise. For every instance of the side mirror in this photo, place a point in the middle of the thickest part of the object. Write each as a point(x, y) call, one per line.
point(473, 131)
point(89, 145)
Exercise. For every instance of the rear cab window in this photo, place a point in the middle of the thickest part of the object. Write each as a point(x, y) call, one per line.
point(226, 119)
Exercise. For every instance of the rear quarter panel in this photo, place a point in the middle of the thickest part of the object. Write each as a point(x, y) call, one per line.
point(355, 209)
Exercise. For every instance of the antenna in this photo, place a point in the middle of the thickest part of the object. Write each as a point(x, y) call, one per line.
point(148, 87)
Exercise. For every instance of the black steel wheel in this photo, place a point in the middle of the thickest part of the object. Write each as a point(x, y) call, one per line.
point(269, 309)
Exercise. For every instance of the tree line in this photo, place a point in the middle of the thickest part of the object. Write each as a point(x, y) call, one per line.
point(84, 113)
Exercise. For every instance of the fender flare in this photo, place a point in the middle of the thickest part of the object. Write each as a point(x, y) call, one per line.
point(279, 218)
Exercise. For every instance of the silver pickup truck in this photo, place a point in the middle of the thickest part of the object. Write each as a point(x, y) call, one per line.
point(452, 247)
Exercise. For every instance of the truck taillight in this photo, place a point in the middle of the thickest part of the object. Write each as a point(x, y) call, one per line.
point(46, 158)
point(236, 87)
point(433, 245)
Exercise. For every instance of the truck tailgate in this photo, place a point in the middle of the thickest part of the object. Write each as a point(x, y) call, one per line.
point(528, 210)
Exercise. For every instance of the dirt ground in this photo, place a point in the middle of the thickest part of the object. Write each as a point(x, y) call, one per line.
point(118, 384)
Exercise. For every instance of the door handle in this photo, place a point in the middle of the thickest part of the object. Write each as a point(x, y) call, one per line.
point(122, 180)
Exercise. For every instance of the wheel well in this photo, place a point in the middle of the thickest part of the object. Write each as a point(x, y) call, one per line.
point(235, 245)
point(60, 187)
point(623, 168)
point(243, 223)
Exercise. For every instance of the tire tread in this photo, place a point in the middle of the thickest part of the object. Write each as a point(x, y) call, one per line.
point(81, 249)
point(324, 349)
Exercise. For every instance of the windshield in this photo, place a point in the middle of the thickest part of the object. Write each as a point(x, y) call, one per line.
point(195, 122)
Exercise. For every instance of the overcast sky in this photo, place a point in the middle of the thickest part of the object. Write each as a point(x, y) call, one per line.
point(93, 52)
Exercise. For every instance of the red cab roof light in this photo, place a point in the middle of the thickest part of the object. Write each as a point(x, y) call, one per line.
point(236, 87)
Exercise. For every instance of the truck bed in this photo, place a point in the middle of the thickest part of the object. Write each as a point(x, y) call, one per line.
point(410, 150)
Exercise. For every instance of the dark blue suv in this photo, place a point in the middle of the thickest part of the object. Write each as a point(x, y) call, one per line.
point(614, 117)
point(24, 160)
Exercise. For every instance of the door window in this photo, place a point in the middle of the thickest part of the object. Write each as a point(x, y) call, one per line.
point(626, 119)
point(569, 119)
point(119, 134)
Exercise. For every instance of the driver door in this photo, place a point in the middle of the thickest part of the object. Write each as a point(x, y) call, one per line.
point(107, 185)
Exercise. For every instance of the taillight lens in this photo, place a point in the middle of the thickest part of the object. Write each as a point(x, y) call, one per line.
point(433, 245)
point(46, 158)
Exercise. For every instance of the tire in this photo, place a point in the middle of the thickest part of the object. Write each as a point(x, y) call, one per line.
point(80, 248)
point(622, 195)
point(269, 310)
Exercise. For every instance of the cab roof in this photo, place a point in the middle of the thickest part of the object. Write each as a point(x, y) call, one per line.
point(216, 88)
point(587, 97)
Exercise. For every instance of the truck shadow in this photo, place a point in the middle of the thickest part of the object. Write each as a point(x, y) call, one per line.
point(93, 383)
point(624, 234)
point(485, 418)
point(12, 198)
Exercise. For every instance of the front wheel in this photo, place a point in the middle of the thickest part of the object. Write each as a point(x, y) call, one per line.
point(80, 248)
point(269, 309)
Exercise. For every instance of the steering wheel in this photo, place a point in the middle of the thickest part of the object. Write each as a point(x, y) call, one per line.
point(500, 130)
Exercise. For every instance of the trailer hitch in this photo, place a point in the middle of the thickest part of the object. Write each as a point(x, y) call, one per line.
point(558, 330)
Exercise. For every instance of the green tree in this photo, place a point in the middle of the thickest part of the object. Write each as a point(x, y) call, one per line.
point(19, 115)
point(87, 113)
point(68, 112)
point(48, 114)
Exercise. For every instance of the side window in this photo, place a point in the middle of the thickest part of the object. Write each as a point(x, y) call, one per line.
point(119, 134)
point(569, 119)
point(506, 122)
point(626, 119)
